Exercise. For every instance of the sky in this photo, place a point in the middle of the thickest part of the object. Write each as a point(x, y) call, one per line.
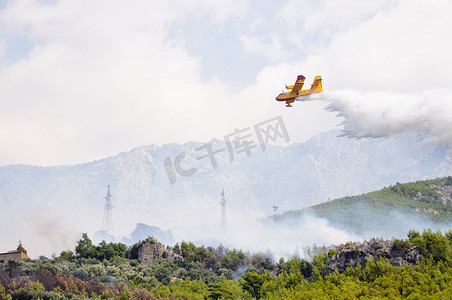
point(83, 80)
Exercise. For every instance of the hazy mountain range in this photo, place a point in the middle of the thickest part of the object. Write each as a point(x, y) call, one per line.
point(64, 198)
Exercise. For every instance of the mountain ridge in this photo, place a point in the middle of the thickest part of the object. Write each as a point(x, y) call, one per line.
point(393, 210)
point(71, 198)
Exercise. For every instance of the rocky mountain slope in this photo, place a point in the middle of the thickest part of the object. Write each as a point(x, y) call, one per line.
point(299, 175)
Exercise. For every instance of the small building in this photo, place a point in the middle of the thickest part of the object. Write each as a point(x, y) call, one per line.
point(13, 255)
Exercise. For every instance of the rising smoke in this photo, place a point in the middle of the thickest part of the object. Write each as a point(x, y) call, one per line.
point(254, 232)
point(44, 232)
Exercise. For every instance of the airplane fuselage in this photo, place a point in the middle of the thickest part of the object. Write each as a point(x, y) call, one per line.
point(291, 96)
point(296, 91)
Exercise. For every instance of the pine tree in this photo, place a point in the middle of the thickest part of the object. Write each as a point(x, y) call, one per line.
point(21, 248)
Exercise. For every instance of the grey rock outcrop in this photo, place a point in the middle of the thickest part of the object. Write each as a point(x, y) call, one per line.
point(345, 259)
point(374, 249)
point(151, 250)
point(445, 192)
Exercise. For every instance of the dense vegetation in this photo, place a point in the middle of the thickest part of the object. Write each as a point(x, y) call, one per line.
point(111, 271)
point(395, 207)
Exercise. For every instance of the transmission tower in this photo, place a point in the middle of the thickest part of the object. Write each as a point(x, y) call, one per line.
point(107, 223)
point(223, 213)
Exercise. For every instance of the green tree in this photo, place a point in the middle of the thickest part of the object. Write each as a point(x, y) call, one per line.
point(109, 251)
point(188, 251)
point(413, 234)
point(2, 291)
point(66, 254)
point(84, 247)
point(12, 269)
point(21, 248)
point(233, 259)
point(331, 253)
point(261, 261)
point(37, 286)
point(125, 294)
point(437, 245)
point(252, 282)
point(296, 265)
point(217, 291)
point(449, 181)
point(107, 295)
point(280, 265)
point(132, 253)
point(176, 249)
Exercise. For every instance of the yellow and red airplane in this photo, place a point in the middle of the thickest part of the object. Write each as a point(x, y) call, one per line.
point(295, 90)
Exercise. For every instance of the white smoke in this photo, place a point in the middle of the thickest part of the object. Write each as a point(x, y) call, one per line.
point(377, 114)
point(252, 231)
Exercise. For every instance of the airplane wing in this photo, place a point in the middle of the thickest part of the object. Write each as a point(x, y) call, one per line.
point(298, 84)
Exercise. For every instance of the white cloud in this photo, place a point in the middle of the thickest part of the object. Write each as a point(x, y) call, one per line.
point(304, 27)
point(219, 11)
point(106, 76)
point(2, 48)
point(403, 49)
point(101, 77)
point(268, 46)
point(324, 18)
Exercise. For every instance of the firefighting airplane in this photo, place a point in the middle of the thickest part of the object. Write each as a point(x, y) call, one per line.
point(295, 90)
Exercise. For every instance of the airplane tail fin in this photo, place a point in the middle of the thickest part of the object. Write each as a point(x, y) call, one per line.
point(317, 85)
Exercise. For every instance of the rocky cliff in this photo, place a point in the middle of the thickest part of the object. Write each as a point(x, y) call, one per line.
point(151, 250)
point(354, 254)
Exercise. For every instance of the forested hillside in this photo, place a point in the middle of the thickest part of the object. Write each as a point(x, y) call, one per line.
point(419, 266)
point(112, 271)
point(394, 209)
